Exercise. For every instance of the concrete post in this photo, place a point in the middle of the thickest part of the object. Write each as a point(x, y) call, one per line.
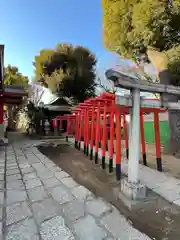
point(131, 187)
point(134, 138)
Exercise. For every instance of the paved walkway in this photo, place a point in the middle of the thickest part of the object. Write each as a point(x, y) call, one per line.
point(40, 201)
point(162, 183)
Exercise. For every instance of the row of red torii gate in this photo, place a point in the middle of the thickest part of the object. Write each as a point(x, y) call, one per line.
point(99, 126)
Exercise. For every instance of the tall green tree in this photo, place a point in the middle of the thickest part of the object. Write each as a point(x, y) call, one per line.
point(69, 70)
point(13, 76)
point(130, 26)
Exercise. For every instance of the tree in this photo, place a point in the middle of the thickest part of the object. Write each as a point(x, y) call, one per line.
point(13, 76)
point(107, 86)
point(35, 94)
point(130, 26)
point(69, 70)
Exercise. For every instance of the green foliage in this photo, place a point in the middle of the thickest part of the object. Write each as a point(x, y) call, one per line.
point(131, 25)
point(68, 69)
point(13, 76)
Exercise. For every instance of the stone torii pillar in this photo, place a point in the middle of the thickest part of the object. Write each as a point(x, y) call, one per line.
point(134, 138)
point(131, 187)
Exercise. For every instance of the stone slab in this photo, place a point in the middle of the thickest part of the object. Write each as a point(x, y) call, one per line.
point(29, 176)
point(38, 166)
point(13, 177)
point(45, 174)
point(18, 184)
point(27, 170)
point(55, 229)
point(97, 207)
point(12, 165)
point(50, 164)
point(171, 195)
point(32, 183)
point(177, 202)
point(37, 194)
point(81, 193)
point(1, 185)
point(53, 168)
point(115, 222)
point(14, 196)
point(23, 230)
point(1, 231)
point(24, 165)
point(32, 159)
point(12, 171)
point(86, 228)
point(1, 197)
point(17, 212)
point(73, 210)
point(1, 213)
point(45, 209)
point(51, 182)
point(61, 194)
point(60, 175)
point(69, 182)
point(120, 228)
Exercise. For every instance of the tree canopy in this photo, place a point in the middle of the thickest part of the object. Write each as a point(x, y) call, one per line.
point(13, 76)
point(132, 25)
point(67, 69)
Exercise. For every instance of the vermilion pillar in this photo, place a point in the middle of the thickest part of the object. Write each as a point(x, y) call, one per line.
point(97, 133)
point(111, 144)
point(143, 144)
point(104, 139)
point(73, 126)
point(54, 124)
point(92, 133)
point(67, 128)
point(61, 124)
point(77, 129)
point(85, 129)
point(87, 133)
point(76, 132)
point(158, 142)
point(125, 135)
point(80, 127)
point(118, 144)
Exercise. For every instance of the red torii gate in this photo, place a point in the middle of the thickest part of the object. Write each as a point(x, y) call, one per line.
point(85, 123)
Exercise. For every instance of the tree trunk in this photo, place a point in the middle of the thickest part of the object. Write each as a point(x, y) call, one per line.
point(174, 116)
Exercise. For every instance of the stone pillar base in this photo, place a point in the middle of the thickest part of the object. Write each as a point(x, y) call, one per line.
point(133, 191)
point(135, 196)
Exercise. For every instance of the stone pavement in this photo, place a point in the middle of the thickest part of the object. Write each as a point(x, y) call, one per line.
point(161, 183)
point(40, 201)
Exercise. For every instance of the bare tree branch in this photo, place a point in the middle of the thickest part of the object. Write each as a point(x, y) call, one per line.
point(36, 93)
point(109, 87)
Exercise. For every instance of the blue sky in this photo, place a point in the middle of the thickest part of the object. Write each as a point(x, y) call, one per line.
point(29, 26)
